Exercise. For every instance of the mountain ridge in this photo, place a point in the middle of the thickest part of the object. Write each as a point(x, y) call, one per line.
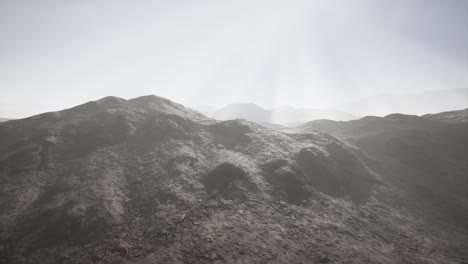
point(147, 180)
point(420, 103)
point(456, 116)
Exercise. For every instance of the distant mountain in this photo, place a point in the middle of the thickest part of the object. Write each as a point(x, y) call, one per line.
point(459, 116)
point(4, 119)
point(281, 115)
point(247, 111)
point(381, 105)
point(207, 110)
point(413, 104)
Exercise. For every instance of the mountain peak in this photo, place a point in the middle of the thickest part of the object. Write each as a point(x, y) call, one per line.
point(244, 105)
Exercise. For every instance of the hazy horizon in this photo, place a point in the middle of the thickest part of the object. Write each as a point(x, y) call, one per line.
point(306, 54)
point(358, 108)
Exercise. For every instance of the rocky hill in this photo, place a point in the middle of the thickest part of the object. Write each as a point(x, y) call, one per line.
point(147, 180)
point(458, 116)
point(426, 156)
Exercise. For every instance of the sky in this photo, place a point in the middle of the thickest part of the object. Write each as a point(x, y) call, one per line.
point(304, 53)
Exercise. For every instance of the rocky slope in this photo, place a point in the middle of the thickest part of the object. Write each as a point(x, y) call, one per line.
point(149, 181)
point(426, 156)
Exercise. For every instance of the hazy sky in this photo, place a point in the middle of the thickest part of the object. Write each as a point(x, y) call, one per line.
point(305, 53)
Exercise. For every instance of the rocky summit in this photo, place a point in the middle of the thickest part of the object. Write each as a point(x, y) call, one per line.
point(147, 180)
